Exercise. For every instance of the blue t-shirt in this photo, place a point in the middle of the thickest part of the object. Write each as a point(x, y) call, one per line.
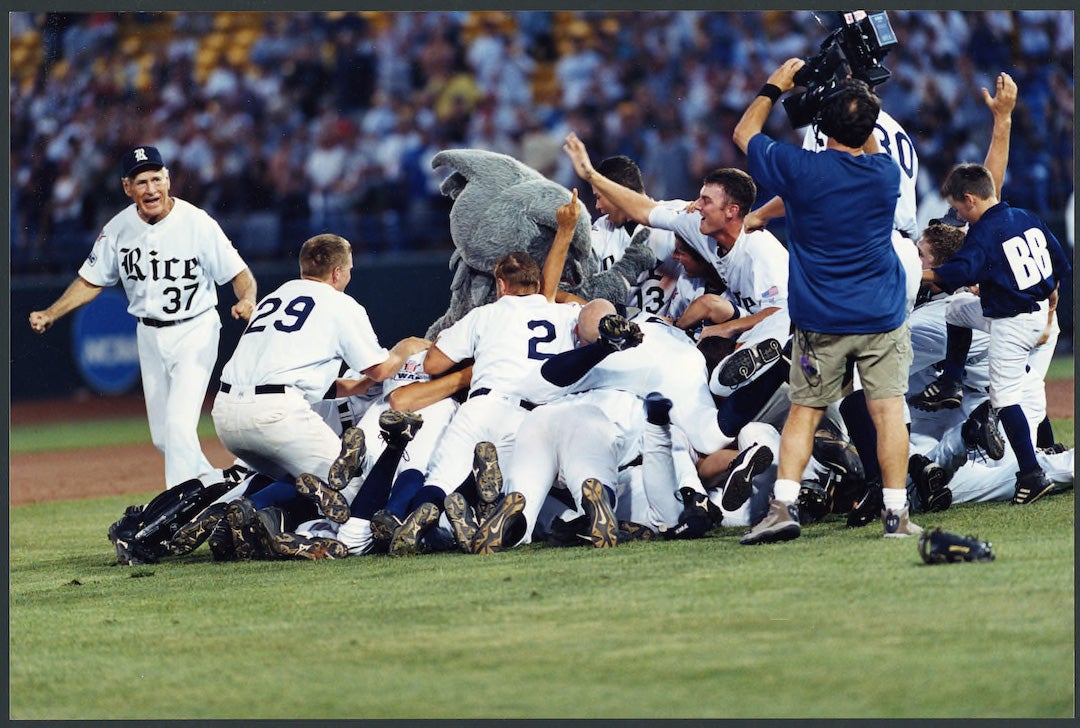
point(844, 275)
point(1013, 257)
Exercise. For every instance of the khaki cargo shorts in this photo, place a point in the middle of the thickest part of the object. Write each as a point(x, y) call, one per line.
point(824, 366)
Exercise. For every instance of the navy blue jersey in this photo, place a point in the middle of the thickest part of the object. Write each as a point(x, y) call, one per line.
point(1013, 257)
point(844, 275)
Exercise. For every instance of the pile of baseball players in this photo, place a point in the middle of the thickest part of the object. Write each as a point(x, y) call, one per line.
point(868, 370)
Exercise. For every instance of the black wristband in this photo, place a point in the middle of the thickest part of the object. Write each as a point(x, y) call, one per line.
point(770, 91)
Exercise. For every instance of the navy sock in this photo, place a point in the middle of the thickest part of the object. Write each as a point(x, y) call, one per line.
point(745, 402)
point(1016, 429)
point(406, 486)
point(275, 494)
point(957, 343)
point(1044, 435)
point(863, 434)
point(564, 369)
point(375, 490)
point(427, 494)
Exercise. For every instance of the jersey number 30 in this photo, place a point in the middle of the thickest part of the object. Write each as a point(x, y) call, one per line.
point(292, 317)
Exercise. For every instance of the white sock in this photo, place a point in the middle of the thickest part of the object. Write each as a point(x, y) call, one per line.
point(786, 490)
point(895, 499)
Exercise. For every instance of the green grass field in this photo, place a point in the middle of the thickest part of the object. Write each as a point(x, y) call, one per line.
point(837, 624)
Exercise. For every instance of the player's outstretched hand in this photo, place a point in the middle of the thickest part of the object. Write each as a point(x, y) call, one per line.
point(1004, 99)
point(40, 321)
point(579, 155)
point(753, 221)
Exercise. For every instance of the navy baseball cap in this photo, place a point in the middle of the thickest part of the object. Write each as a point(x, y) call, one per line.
point(950, 218)
point(137, 159)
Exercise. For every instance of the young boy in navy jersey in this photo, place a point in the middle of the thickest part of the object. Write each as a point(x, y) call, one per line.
point(1017, 263)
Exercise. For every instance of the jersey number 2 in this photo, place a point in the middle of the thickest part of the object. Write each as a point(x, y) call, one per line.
point(293, 315)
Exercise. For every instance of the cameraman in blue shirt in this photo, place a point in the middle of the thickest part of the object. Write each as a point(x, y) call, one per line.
point(846, 287)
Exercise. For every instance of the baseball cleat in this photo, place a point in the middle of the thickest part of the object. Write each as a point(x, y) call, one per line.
point(330, 502)
point(868, 508)
point(747, 465)
point(399, 427)
point(188, 537)
point(939, 394)
point(931, 483)
point(981, 430)
point(697, 518)
point(1030, 487)
point(898, 525)
point(462, 519)
point(488, 477)
point(293, 545)
point(618, 333)
point(490, 535)
point(813, 502)
point(221, 542)
point(241, 514)
point(348, 462)
point(833, 450)
point(383, 525)
point(636, 531)
point(781, 523)
point(406, 539)
point(602, 524)
point(746, 361)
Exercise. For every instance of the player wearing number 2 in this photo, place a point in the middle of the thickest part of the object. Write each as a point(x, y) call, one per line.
point(170, 257)
point(1018, 264)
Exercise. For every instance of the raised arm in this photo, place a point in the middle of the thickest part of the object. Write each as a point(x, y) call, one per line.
point(753, 119)
point(636, 205)
point(759, 218)
point(551, 274)
point(1001, 105)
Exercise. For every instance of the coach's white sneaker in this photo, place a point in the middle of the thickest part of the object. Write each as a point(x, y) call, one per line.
point(898, 525)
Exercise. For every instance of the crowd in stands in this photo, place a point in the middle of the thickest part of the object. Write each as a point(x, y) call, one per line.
point(283, 124)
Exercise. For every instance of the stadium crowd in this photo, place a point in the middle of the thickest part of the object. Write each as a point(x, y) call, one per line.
point(286, 124)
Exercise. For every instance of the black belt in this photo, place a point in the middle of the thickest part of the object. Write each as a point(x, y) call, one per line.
point(523, 403)
point(259, 388)
point(162, 324)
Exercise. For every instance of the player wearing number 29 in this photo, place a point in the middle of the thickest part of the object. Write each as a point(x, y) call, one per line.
point(288, 357)
point(1017, 263)
point(170, 257)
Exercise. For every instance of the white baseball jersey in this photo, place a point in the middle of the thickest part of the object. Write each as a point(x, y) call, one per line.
point(894, 140)
point(170, 272)
point(508, 341)
point(298, 336)
point(296, 339)
point(654, 289)
point(168, 269)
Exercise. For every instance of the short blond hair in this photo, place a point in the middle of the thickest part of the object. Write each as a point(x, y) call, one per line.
point(321, 254)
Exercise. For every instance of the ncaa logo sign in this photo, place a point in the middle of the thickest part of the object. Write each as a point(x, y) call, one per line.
point(104, 343)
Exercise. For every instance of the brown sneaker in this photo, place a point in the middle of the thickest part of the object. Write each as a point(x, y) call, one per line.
point(781, 523)
point(898, 525)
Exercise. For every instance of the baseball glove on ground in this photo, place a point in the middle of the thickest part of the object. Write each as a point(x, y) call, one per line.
point(942, 547)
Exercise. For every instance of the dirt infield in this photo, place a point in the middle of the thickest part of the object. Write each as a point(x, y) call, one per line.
point(92, 473)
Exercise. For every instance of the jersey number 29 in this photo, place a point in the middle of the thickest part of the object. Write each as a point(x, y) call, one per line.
point(292, 317)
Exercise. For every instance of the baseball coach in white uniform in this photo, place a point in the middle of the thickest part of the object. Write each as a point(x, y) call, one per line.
point(170, 257)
